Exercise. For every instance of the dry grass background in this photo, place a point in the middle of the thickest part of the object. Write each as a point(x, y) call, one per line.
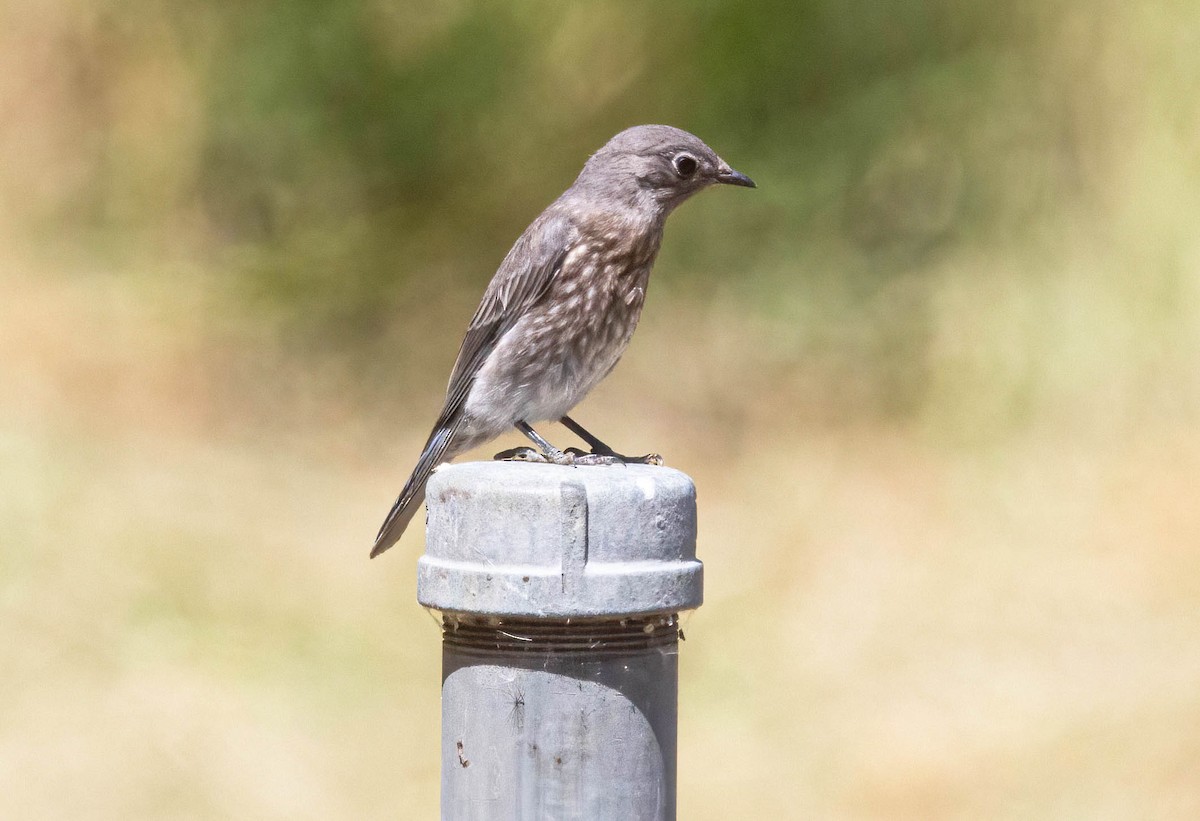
point(892, 629)
point(982, 605)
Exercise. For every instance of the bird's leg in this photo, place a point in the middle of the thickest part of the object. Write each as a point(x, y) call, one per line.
point(551, 453)
point(580, 431)
point(603, 451)
point(548, 453)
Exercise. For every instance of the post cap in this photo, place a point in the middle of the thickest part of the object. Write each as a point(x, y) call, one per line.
point(519, 539)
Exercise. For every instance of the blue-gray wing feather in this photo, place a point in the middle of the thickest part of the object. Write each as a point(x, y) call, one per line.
point(521, 281)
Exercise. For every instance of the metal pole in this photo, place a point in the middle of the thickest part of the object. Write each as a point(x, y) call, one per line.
point(559, 589)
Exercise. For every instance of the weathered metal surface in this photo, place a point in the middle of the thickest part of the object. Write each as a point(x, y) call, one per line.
point(540, 732)
point(545, 540)
point(559, 588)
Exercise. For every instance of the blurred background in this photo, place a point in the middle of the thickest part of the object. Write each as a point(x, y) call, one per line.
point(937, 379)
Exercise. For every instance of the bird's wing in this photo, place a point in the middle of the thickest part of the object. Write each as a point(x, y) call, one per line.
point(520, 282)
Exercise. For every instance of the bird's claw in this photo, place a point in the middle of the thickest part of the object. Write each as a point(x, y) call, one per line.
point(599, 459)
point(647, 459)
point(574, 457)
point(611, 457)
point(582, 457)
point(522, 454)
point(528, 454)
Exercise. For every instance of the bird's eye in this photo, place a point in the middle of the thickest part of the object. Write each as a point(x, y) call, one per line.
point(685, 165)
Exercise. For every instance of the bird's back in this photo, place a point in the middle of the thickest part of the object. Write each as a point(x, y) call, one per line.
point(569, 339)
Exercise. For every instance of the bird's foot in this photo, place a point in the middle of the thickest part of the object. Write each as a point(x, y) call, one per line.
point(575, 457)
point(611, 457)
point(519, 455)
point(647, 459)
point(584, 458)
point(527, 454)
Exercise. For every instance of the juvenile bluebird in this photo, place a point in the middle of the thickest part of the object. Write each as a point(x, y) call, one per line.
point(561, 309)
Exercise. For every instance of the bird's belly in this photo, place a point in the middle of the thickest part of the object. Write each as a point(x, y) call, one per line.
point(549, 361)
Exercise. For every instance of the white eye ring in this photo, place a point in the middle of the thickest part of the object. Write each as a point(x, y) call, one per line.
point(685, 165)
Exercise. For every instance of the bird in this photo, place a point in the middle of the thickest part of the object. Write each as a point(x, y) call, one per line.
point(560, 310)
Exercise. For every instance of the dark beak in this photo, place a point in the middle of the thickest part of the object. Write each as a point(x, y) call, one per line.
point(728, 176)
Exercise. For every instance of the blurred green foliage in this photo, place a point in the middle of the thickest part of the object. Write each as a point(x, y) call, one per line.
point(338, 149)
point(343, 169)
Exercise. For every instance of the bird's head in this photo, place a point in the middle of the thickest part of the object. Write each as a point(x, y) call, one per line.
point(655, 167)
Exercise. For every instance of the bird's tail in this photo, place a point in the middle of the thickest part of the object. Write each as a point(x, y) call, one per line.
point(437, 450)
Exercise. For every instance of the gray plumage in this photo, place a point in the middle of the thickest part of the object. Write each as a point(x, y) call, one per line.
point(563, 305)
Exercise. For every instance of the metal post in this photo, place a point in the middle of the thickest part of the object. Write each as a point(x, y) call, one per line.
point(559, 589)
